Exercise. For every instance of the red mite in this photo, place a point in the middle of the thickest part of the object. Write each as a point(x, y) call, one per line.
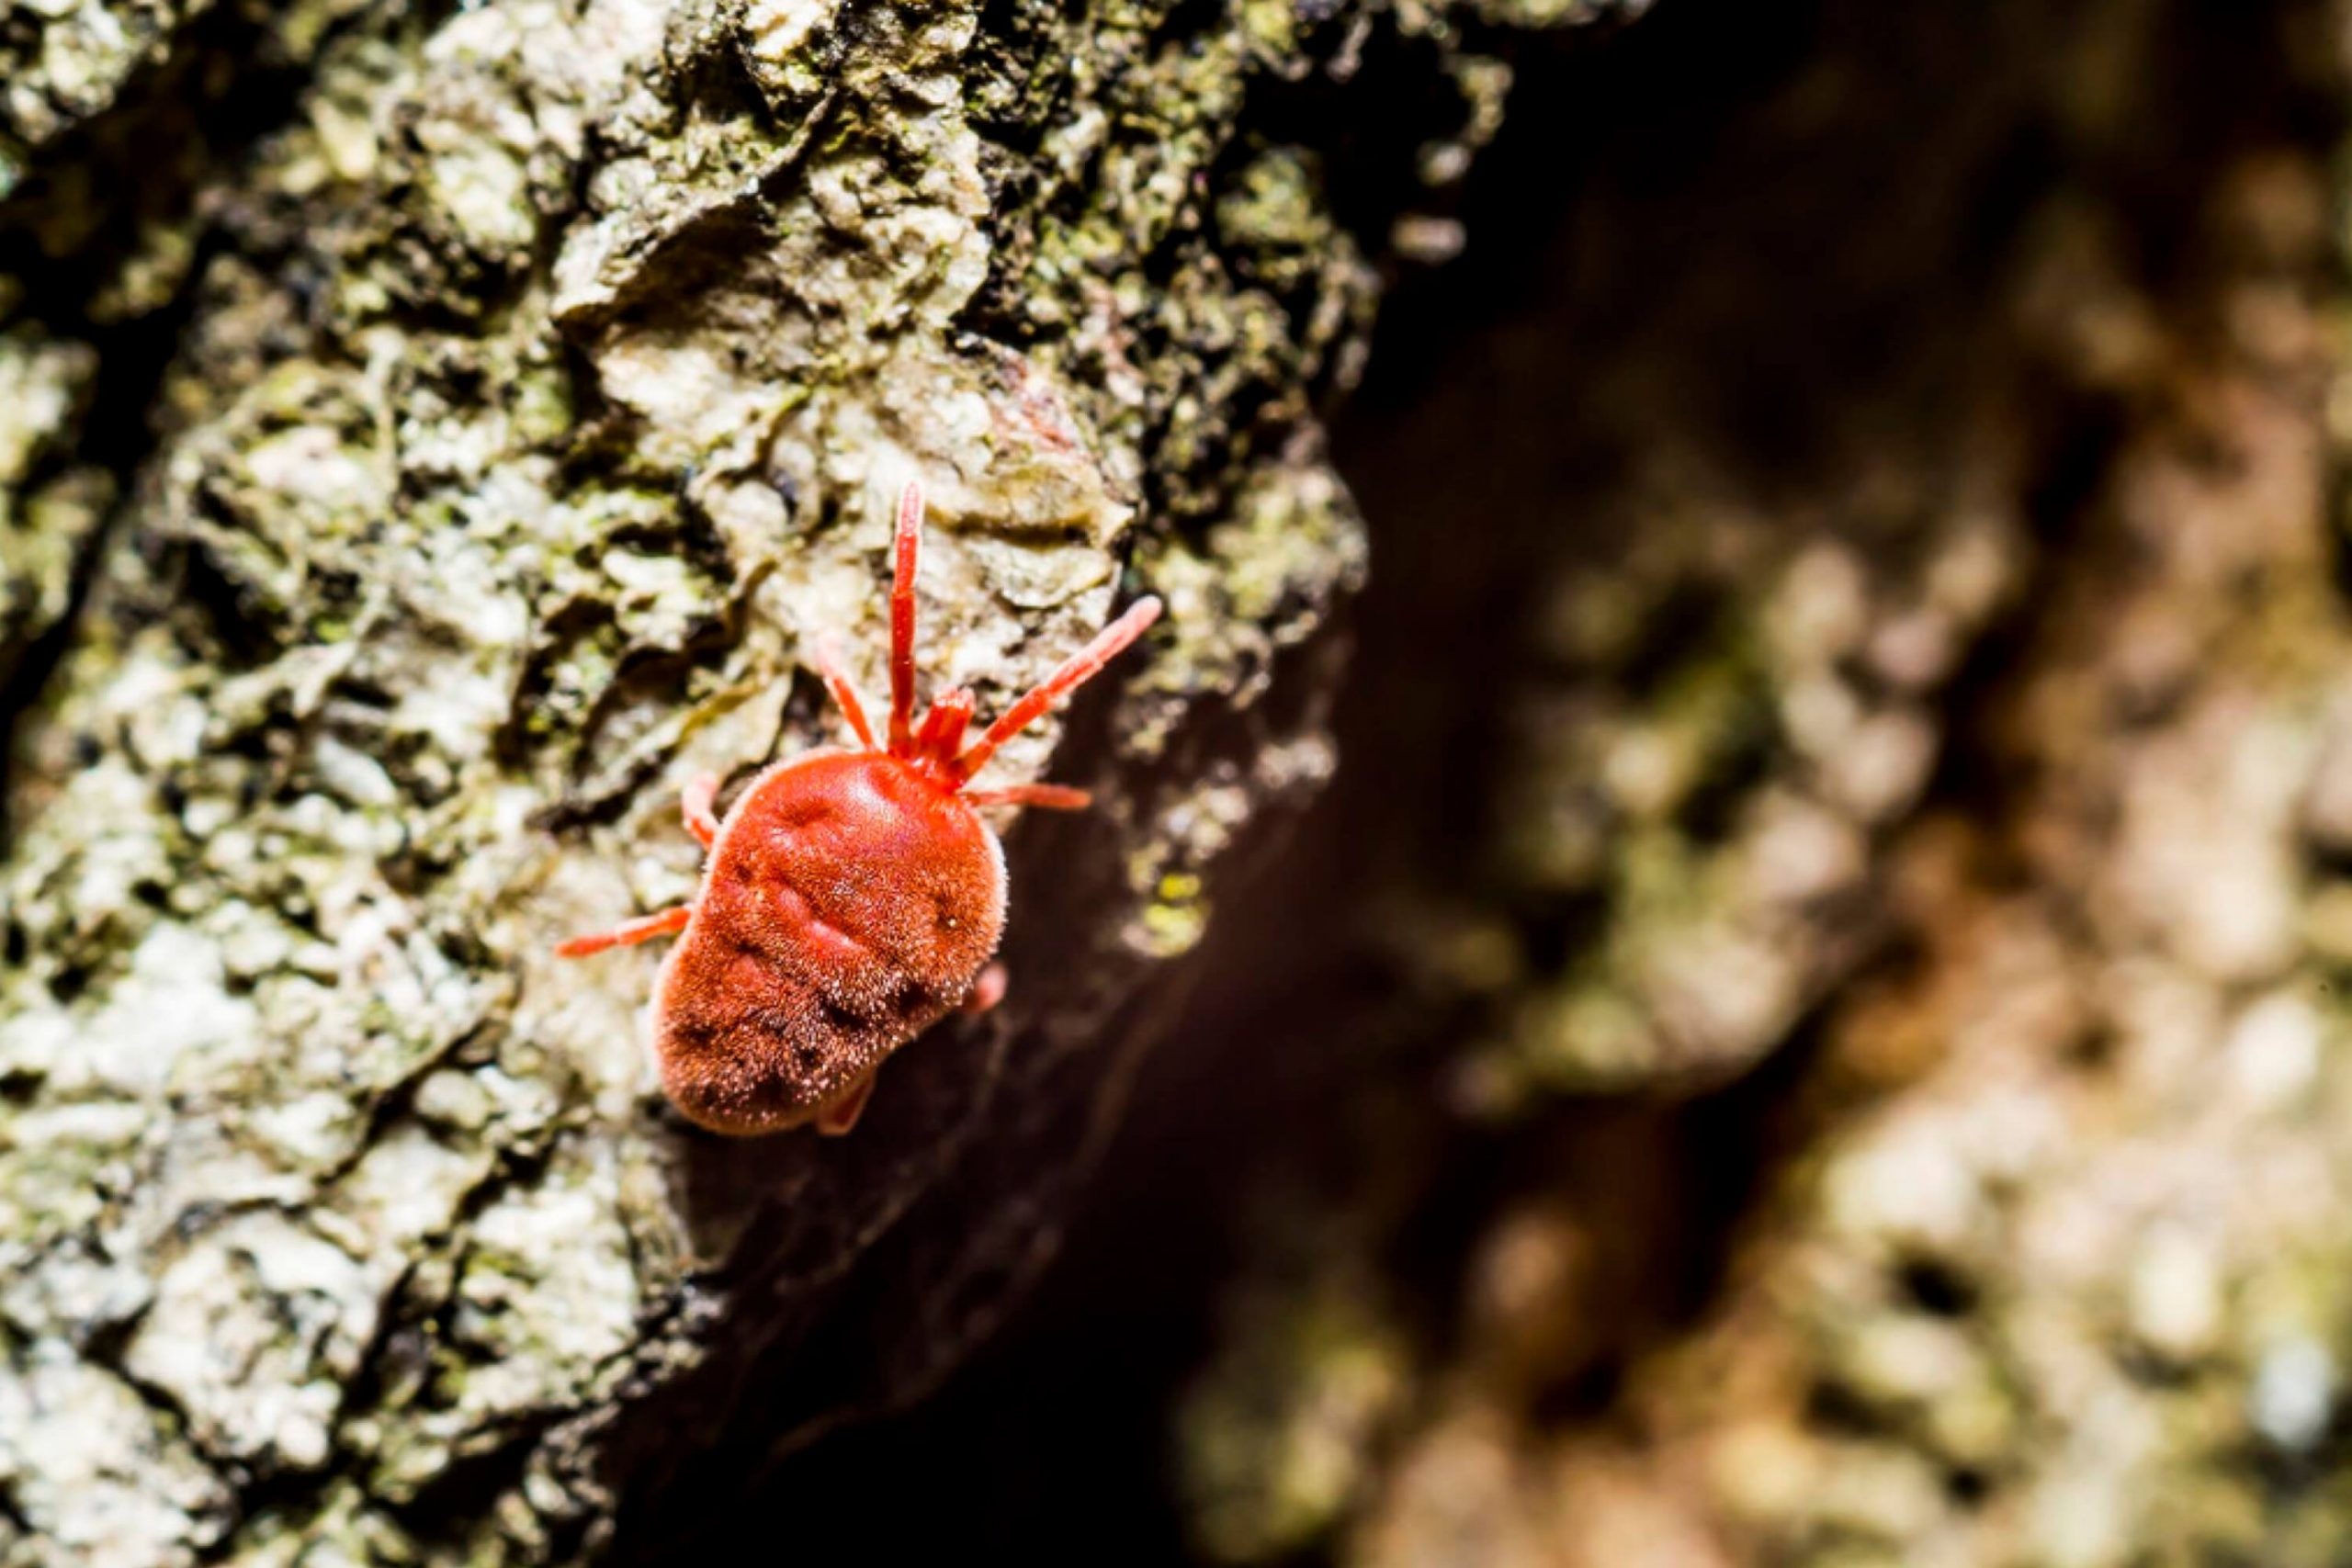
point(849, 899)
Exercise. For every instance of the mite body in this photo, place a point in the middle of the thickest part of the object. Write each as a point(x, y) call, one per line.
point(849, 899)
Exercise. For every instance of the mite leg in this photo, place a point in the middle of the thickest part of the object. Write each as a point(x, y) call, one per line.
point(1080, 668)
point(643, 929)
point(695, 804)
point(829, 665)
point(908, 542)
point(988, 990)
point(1052, 797)
point(941, 735)
point(842, 1113)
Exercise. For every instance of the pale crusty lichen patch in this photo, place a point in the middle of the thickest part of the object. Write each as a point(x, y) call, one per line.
point(64, 61)
point(50, 512)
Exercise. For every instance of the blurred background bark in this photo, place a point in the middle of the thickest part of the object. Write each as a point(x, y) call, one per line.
point(1806, 1027)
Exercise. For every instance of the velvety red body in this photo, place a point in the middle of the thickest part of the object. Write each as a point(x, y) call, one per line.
point(849, 902)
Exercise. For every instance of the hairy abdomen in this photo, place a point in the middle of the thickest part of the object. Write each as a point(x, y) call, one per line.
point(850, 906)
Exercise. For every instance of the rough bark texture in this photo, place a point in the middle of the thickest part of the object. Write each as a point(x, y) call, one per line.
point(500, 397)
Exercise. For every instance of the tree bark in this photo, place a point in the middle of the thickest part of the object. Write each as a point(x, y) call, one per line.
point(499, 397)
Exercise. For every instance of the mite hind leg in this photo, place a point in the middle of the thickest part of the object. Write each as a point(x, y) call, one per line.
point(987, 991)
point(645, 928)
point(840, 1114)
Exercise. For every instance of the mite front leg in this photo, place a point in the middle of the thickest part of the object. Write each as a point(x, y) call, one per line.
point(829, 665)
point(987, 991)
point(842, 1113)
point(643, 929)
point(902, 620)
point(695, 804)
point(1053, 798)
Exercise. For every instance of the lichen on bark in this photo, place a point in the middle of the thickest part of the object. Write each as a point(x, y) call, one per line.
point(49, 508)
point(546, 371)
